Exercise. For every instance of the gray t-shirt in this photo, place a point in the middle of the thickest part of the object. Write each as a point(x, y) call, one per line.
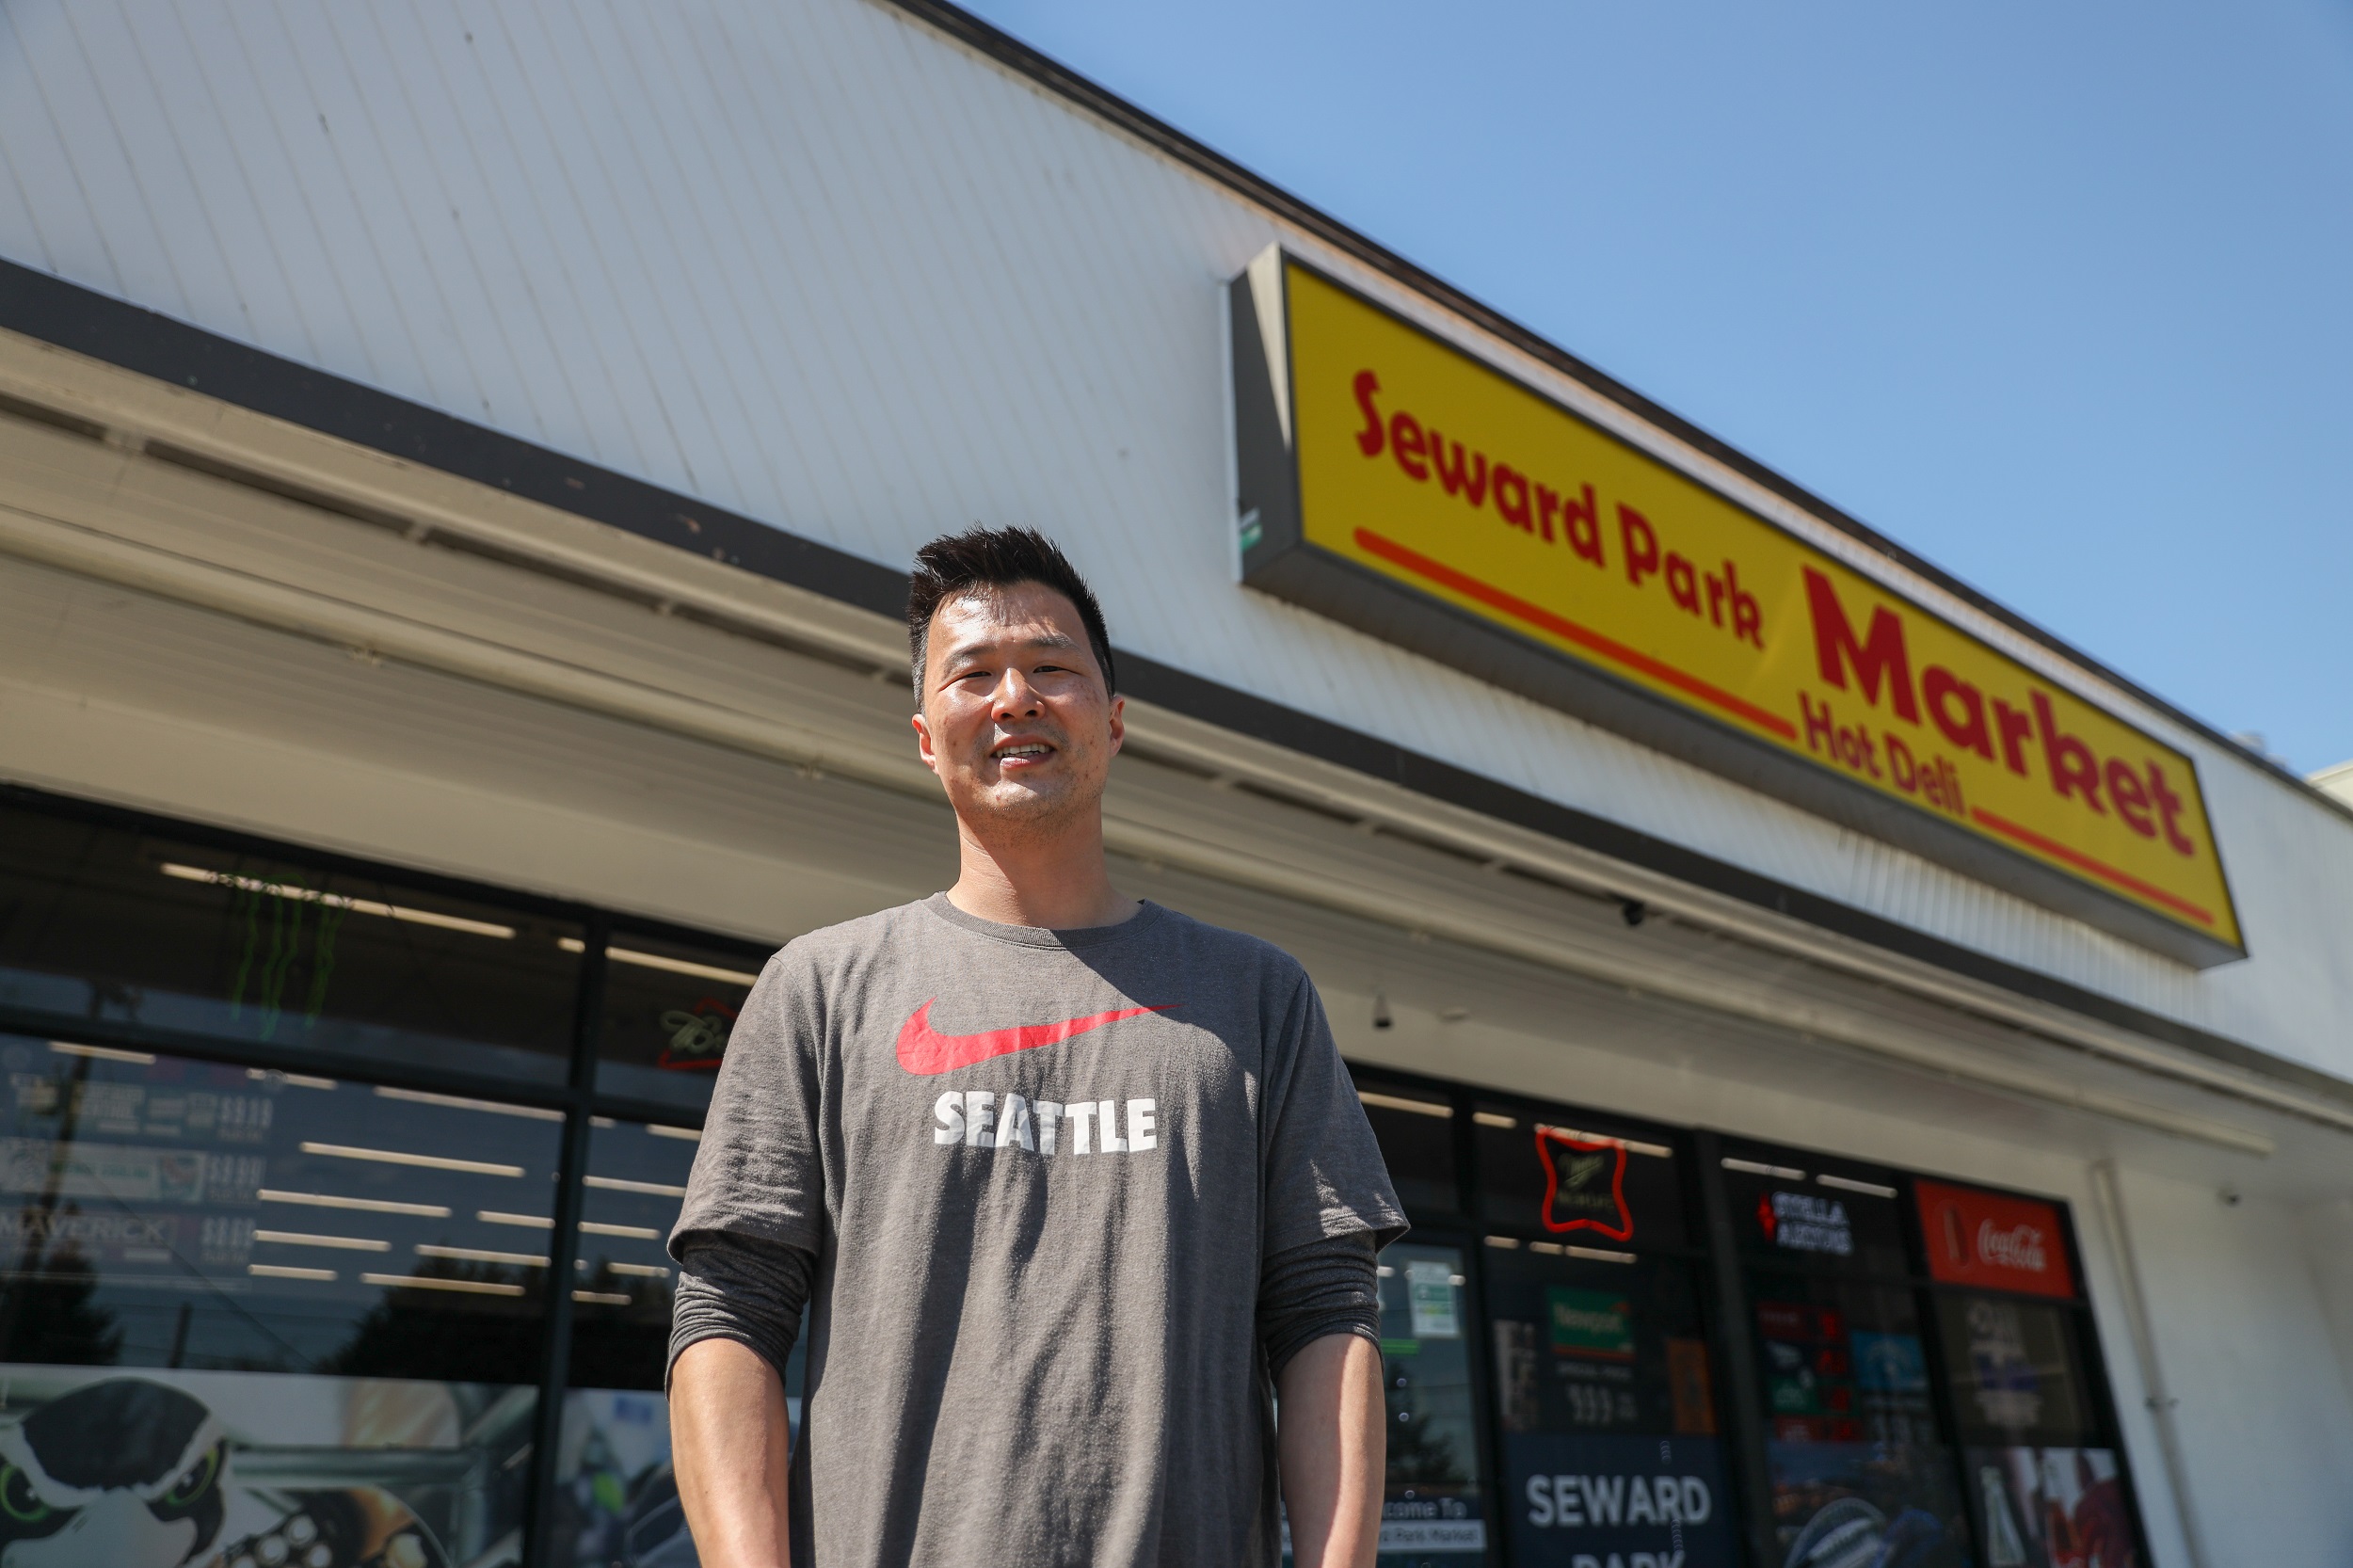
point(1040, 1171)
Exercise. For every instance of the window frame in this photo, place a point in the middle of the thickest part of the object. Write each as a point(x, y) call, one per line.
point(1710, 1242)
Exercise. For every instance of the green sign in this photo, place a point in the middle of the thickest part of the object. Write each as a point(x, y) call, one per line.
point(1590, 1323)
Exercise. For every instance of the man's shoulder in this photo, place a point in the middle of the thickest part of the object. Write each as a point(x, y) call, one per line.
point(1235, 953)
point(830, 948)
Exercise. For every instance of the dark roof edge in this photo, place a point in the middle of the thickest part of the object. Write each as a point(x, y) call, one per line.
point(1011, 52)
point(131, 337)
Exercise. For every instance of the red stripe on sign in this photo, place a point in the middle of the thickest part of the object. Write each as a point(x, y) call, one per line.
point(1568, 630)
point(2081, 861)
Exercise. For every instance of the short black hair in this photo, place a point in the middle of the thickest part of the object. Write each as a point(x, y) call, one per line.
point(955, 564)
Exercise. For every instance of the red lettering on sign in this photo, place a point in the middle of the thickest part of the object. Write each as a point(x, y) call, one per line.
point(1748, 620)
point(1408, 445)
point(1880, 660)
point(1511, 499)
point(2170, 808)
point(1639, 542)
point(1683, 583)
point(2016, 729)
point(1582, 524)
point(2130, 800)
point(1368, 438)
point(1583, 636)
point(1468, 480)
point(2073, 768)
point(1944, 691)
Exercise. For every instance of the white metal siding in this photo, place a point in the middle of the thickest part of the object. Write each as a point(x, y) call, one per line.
point(812, 262)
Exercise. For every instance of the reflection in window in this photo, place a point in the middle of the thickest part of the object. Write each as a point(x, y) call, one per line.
point(1854, 1447)
point(2017, 1377)
point(1430, 1511)
point(174, 1228)
point(669, 1009)
point(1607, 1403)
point(2042, 1478)
point(615, 1499)
point(1417, 1136)
point(105, 923)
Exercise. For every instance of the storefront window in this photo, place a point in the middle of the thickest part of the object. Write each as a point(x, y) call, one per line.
point(1852, 1439)
point(278, 1316)
point(1588, 1180)
point(289, 1300)
point(669, 1010)
point(616, 1501)
point(1861, 1470)
point(1415, 1130)
point(1788, 1211)
point(2046, 1490)
point(1431, 1516)
point(1605, 1398)
point(101, 925)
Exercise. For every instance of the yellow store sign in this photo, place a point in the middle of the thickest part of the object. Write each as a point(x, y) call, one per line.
point(1396, 483)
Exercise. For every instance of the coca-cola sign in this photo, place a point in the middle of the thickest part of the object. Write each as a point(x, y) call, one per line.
point(1993, 1240)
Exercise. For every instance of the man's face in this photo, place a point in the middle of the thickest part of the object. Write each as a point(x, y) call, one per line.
point(1017, 720)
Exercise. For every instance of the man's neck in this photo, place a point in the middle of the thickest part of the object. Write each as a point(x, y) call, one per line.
point(1058, 881)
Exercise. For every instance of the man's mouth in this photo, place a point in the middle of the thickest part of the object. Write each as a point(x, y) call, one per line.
point(1021, 751)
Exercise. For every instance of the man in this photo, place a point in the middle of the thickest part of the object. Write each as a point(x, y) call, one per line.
point(1062, 1179)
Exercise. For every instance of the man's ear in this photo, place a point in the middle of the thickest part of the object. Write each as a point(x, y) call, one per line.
point(924, 743)
point(1118, 722)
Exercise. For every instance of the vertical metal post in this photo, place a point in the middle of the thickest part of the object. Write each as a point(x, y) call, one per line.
point(2161, 1402)
point(1735, 1353)
point(1487, 1444)
point(562, 1249)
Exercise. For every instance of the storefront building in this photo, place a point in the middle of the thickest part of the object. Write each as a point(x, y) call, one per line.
point(1871, 1085)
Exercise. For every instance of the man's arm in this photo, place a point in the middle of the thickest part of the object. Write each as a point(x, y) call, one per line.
point(731, 1447)
point(1334, 1446)
point(733, 1319)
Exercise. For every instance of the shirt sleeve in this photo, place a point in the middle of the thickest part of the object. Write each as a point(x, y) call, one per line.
point(1322, 1288)
point(734, 1288)
point(1322, 1168)
point(759, 1169)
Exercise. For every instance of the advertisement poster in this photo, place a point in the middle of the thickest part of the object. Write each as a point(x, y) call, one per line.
point(1993, 1240)
point(2050, 1508)
point(158, 1469)
point(1618, 1501)
point(1865, 1505)
point(1858, 1482)
point(616, 1498)
point(616, 1501)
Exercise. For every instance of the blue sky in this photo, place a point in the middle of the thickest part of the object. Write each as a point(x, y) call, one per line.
point(2059, 296)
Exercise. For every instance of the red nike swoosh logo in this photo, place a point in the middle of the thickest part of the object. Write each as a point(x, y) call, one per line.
point(924, 1051)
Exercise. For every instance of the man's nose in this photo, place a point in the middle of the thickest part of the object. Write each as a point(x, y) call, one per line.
point(1014, 696)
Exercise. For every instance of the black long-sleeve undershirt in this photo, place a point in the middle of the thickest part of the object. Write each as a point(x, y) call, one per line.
point(754, 1291)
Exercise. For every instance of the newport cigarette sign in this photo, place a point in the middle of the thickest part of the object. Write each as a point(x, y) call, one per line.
point(1394, 482)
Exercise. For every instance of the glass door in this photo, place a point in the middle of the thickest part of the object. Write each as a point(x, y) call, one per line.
point(1431, 1513)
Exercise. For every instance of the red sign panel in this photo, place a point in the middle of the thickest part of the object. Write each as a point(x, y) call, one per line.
point(2002, 1244)
point(1584, 1184)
